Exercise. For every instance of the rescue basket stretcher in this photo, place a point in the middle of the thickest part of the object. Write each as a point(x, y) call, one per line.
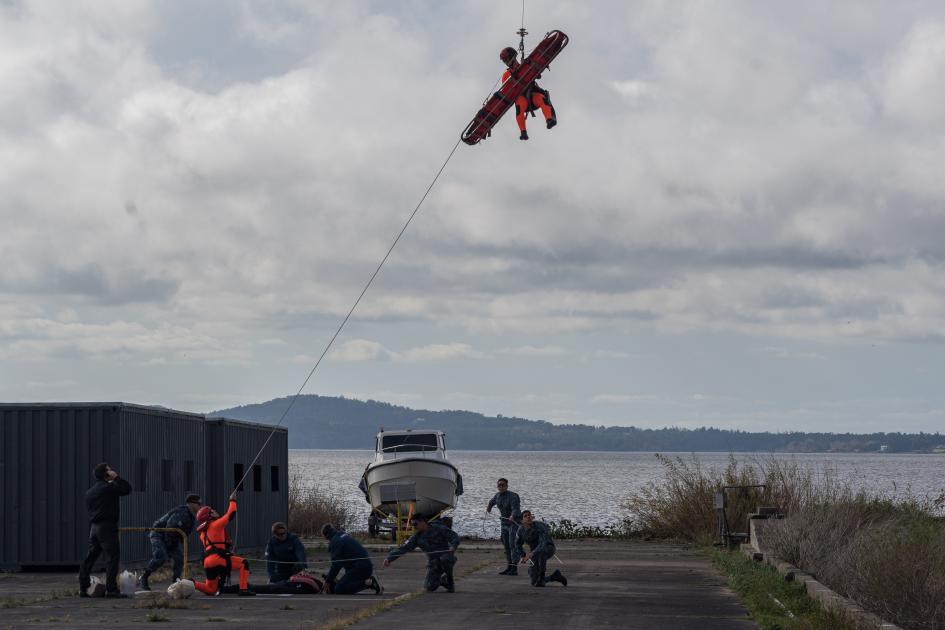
point(500, 102)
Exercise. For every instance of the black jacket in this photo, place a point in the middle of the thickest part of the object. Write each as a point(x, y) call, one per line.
point(102, 500)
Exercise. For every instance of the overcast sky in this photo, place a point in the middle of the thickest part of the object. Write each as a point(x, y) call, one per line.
point(739, 220)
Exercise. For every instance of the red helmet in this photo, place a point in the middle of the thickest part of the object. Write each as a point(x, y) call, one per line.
point(508, 54)
point(203, 516)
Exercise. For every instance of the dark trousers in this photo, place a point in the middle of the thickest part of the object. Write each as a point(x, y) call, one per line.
point(102, 537)
point(439, 571)
point(159, 554)
point(508, 541)
point(536, 571)
point(353, 581)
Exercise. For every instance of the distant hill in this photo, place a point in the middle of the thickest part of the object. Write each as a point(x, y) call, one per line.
point(333, 422)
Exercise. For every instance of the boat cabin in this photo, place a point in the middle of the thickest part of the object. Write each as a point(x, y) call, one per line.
point(392, 445)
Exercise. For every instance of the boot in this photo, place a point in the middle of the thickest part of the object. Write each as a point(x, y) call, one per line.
point(446, 582)
point(513, 570)
point(558, 577)
point(524, 135)
point(506, 570)
point(143, 582)
point(376, 585)
point(245, 592)
point(551, 122)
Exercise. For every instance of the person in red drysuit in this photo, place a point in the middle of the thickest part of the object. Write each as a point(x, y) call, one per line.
point(218, 560)
point(533, 98)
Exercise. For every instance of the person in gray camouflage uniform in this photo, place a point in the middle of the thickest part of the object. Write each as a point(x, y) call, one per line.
point(510, 511)
point(438, 542)
point(538, 537)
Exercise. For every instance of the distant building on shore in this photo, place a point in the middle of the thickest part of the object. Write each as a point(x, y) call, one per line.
point(48, 450)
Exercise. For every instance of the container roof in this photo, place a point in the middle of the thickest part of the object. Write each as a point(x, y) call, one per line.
point(155, 408)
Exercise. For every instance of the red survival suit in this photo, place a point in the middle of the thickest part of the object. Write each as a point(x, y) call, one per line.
point(218, 561)
point(533, 98)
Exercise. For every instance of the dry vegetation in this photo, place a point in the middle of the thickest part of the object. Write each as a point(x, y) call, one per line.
point(310, 507)
point(886, 553)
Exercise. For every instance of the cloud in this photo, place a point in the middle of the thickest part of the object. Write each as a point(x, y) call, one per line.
point(537, 352)
point(358, 350)
point(185, 181)
point(610, 354)
point(784, 353)
point(623, 399)
point(440, 352)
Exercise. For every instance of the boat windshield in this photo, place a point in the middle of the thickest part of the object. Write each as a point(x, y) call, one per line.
point(410, 442)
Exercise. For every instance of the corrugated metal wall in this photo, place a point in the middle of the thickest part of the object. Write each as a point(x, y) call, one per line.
point(46, 462)
point(153, 440)
point(47, 453)
point(235, 444)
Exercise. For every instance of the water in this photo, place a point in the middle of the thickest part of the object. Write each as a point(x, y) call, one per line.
point(590, 487)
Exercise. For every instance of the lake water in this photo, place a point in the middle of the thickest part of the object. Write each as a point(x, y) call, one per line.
point(590, 487)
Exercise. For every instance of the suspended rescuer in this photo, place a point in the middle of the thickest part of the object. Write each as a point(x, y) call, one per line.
point(533, 98)
point(285, 554)
point(219, 560)
point(510, 513)
point(538, 537)
point(101, 500)
point(348, 554)
point(439, 542)
point(169, 544)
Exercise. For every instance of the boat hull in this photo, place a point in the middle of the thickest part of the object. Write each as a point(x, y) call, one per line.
point(429, 484)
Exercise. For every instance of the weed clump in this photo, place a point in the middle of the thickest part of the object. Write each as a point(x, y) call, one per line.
point(887, 553)
point(310, 507)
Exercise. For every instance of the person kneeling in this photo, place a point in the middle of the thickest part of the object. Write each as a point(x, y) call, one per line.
point(218, 560)
point(348, 554)
point(538, 537)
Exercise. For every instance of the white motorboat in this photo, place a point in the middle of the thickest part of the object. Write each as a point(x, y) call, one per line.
point(411, 467)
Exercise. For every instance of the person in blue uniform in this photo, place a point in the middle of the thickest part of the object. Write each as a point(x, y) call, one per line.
point(169, 544)
point(542, 549)
point(285, 554)
point(510, 513)
point(350, 555)
point(439, 543)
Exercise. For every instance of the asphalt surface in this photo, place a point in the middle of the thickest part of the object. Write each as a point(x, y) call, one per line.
point(611, 585)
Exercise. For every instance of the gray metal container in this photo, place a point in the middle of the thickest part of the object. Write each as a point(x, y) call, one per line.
point(48, 450)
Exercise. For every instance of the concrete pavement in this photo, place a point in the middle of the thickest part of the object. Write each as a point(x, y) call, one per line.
point(612, 584)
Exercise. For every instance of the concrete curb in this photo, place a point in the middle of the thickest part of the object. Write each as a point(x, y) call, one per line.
point(828, 598)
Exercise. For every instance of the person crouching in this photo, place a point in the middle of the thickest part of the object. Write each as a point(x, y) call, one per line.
point(439, 542)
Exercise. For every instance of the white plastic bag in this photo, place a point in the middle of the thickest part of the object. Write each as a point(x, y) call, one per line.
point(181, 589)
point(96, 587)
point(126, 583)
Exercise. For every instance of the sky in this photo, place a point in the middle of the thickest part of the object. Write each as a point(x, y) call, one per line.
point(739, 220)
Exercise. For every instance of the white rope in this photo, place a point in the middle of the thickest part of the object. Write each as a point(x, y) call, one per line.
point(350, 312)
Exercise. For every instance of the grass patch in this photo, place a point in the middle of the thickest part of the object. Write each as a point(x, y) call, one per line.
point(156, 617)
point(13, 602)
point(771, 600)
point(160, 602)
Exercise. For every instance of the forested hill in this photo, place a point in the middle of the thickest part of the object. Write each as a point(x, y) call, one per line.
point(331, 422)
